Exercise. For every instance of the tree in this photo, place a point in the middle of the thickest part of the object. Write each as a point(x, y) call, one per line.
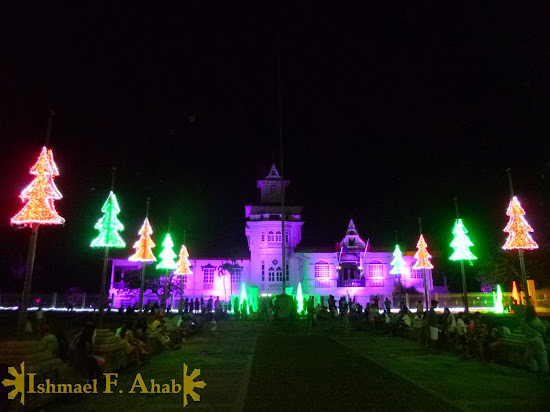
point(40, 194)
point(225, 269)
point(109, 225)
point(518, 228)
point(461, 243)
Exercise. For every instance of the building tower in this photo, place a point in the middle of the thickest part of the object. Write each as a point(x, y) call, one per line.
point(265, 237)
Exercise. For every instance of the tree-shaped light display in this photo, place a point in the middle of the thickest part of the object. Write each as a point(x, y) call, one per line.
point(518, 228)
point(461, 243)
point(109, 225)
point(398, 264)
point(167, 255)
point(40, 194)
point(183, 264)
point(143, 253)
point(422, 256)
point(144, 245)
point(499, 307)
point(39, 209)
point(300, 298)
point(243, 299)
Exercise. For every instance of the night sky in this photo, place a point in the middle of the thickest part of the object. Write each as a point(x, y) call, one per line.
point(389, 112)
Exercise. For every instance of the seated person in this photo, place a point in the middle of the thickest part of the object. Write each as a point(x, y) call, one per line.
point(49, 340)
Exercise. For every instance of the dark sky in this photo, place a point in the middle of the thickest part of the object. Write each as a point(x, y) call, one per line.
point(389, 112)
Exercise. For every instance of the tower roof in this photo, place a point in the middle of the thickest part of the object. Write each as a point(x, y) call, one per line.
point(352, 240)
point(273, 173)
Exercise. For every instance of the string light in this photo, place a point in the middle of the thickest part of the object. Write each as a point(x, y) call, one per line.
point(422, 255)
point(144, 245)
point(40, 194)
point(461, 243)
point(518, 228)
point(109, 225)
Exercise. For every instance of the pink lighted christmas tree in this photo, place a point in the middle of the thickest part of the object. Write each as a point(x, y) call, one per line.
point(40, 194)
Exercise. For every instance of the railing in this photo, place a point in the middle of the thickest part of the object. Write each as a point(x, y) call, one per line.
point(350, 283)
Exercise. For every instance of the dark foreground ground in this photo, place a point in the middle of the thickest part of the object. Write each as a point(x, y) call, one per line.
point(253, 366)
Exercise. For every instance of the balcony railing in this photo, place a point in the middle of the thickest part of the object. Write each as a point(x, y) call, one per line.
point(351, 283)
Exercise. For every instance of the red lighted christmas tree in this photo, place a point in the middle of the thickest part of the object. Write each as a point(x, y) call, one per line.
point(184, 266)
point(518, 228)
point(144, 245)
point(40, 194)
point(422, 256)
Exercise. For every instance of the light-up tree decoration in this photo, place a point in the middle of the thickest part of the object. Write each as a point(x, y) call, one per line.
point(398, 268)
point(143, 253)
point(244, 299)
point(40, 194)
point(300, 298)
point(461, 245)
point(183, 267)
point(519, 238)
point(515, 293)
point(518, 228)
point(167, 255)
point(168, 263)
point(39, 209)
point(499, 307)
point(108, 227)
point(422, 262)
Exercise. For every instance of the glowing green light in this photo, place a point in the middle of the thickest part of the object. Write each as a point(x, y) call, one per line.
point(461, 243)
point(167, 255)
point(109, 225)
point(300, 298)
point(397, 263)
point(499, 308)
point(243, 298)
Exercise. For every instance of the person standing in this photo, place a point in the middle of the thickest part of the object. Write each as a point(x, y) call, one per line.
point(433, 325)
point(387, 304)
point(535, 337)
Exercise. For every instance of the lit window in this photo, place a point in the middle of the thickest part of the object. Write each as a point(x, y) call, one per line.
point(263, 237)
point(236, 275)
point(270, 237)
point(417, 274)
point(263, 272)
point(321, 269)
point(208, 278)
point(287, 238)
point(279, 274)
point(287, 274)
point(271, 274)
point(376, 269)
point(278, 236)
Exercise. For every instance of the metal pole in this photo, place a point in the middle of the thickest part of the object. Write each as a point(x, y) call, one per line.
point(49, 127)
point(462, 270)
point(280, 106)
point(400, 281)
point(28, 280)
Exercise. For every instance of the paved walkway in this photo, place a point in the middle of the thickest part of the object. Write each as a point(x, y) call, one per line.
point(252, 366)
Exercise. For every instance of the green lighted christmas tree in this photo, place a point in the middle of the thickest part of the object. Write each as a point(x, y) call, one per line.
point(167, 255)
point(461, 243)
point(109, 225)
point(397, 263)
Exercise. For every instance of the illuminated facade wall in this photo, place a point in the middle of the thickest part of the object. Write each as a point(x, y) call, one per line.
point(352, 270)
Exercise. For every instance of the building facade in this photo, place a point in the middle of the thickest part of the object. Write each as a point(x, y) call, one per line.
point(349, 269)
